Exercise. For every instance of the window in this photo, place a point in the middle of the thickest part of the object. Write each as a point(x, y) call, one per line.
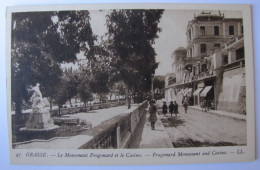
point(242, 29)
point(240, 53)
point(202, 30)
point(225, 59)
point(203, 48)
point(217, 45)
point(216, 30)
point(204, 68)
point(231, 30)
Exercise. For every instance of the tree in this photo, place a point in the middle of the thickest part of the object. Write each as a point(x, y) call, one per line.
point(71, 82)
point(131, 35)
point(40, 42)
point(84, 92)
point(61, 95)
point(99, 82)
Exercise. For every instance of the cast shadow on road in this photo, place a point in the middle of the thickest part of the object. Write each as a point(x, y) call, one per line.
point(188, 142)
point(174, 121)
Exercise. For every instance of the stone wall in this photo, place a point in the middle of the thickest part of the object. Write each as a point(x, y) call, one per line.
point(232, 96)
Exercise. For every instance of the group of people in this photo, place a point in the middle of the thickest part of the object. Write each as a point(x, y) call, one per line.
point(173, 108)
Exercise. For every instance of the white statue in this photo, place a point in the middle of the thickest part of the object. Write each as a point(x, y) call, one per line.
point(40, 116)
point(37, 100)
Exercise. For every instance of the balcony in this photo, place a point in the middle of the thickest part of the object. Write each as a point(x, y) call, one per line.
point(237, 64)
point(203, 75)
point(232, 42)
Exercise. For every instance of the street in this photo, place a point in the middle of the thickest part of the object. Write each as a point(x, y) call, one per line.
point(198, 128)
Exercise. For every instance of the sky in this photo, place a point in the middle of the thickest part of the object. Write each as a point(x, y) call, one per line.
point(173, 35)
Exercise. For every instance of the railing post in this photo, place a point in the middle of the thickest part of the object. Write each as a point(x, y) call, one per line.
point(117, 136)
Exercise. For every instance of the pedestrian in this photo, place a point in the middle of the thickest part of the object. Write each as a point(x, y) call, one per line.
point(153, 116)
point(165, 108)
point(171, 107)
point(204, 105)
point(185, 104)
point(208, 105)
point(176, 111)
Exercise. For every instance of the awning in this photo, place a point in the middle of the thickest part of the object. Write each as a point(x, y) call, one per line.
point(180, 92)
point(205, 91)
point(196, 93)
point(184, 91)
point(187, 91)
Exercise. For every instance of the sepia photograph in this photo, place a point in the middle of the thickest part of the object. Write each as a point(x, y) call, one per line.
point(112, 79)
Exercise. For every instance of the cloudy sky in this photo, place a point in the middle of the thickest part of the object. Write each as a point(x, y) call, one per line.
point(173, 35)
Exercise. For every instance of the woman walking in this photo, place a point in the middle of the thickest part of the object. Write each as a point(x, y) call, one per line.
point(153, 116)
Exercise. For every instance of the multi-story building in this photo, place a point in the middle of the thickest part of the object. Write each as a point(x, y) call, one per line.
point(212, 65)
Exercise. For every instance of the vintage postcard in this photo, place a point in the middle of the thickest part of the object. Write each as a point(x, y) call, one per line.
point(130, 84)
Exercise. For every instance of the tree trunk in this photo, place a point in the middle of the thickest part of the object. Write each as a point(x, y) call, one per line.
point(128, 101)
point(18, 111)
point(70, 103)
point(85, 106)
point(100, 98)
point(50, 101)
point(59, 109)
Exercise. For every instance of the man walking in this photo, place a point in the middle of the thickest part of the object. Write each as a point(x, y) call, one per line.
point(171, 108)
point(165, 108)
point(185, 104)
point(153, 116)
point(176, 111)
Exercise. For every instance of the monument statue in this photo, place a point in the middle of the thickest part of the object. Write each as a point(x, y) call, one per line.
point(39, 118)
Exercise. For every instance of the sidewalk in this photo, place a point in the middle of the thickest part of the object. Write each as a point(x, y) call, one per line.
point(221, 112)
point(157, 138)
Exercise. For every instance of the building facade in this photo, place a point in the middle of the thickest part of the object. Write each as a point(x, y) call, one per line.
point(211, 68)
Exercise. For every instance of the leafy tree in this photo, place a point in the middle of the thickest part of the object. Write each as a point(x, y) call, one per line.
point(84, 92)
point(99, 82)
point(61, 95)
point(131, 35)
point(71, 82)
point(40, 42)
point(158, 82)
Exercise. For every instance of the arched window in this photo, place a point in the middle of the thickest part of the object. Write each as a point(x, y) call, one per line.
point(203, 68)
point(189, 68)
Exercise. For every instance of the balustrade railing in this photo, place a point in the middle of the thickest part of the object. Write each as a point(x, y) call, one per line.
point(115, 132)
point(234, 65)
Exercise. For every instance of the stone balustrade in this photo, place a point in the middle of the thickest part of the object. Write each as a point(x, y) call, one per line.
point(116, 132)
point(72, 110)
point(25, 116)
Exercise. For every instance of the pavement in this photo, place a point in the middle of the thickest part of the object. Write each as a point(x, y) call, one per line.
point(148, 138)
point(223, 113)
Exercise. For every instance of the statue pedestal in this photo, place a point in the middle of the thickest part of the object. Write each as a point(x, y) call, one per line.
point(40, 117)
point(39, 122)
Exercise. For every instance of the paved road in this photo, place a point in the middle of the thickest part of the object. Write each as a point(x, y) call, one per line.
point(197, 128)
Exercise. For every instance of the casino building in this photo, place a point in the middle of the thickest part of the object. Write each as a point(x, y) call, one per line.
point(212, 66)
